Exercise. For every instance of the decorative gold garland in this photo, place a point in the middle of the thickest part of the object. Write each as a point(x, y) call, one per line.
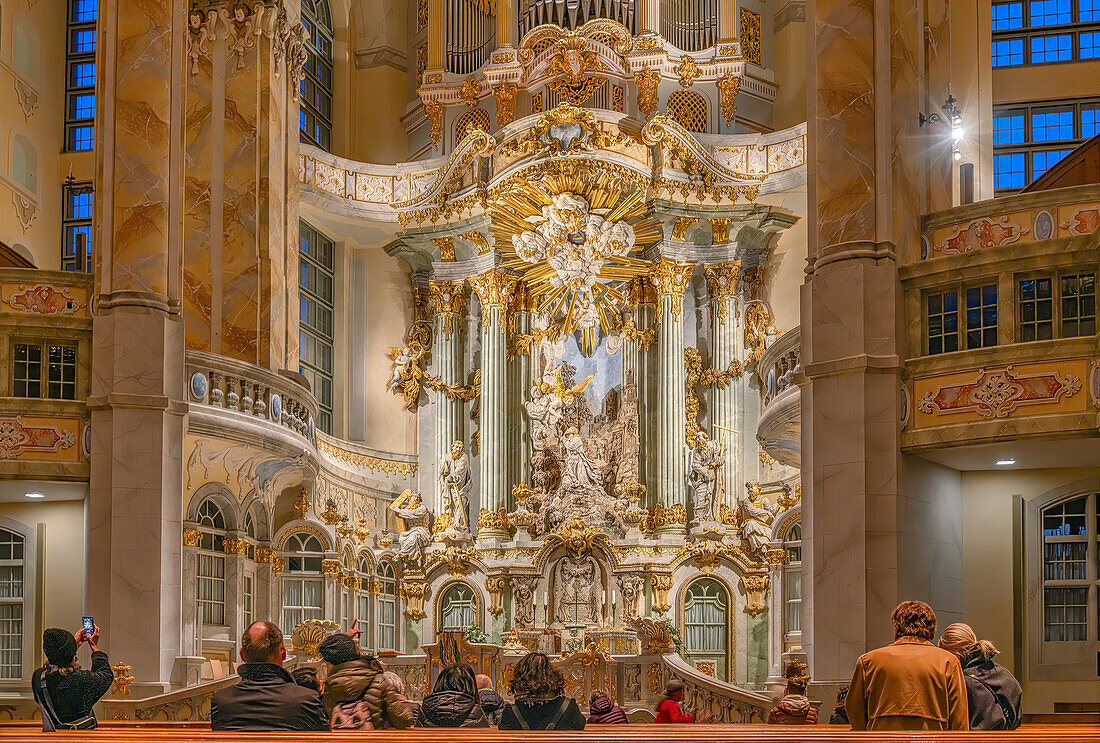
point(366, 462)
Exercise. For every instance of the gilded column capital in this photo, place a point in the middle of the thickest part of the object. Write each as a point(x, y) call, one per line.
point(192, 537)
point(672, 276)
point(723, 281)
point(235, 546)
point(265, 555)
point(446, 247)
point(447, 297)
point(720, 230)
point(493, 287)
point(641, 291)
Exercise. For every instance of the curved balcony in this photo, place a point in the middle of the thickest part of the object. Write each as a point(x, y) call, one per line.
point(779, 430)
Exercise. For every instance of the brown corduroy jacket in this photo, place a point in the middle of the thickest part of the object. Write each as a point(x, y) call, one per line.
point(908, 685)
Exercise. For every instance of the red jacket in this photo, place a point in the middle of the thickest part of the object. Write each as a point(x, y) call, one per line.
point(669, 711)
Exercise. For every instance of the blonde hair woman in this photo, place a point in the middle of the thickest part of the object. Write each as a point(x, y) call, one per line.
point(992, 693)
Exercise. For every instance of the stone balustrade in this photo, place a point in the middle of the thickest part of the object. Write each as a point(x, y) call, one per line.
point(725, 702)
point(780, 363)
point(779, 431)
point(231, 385)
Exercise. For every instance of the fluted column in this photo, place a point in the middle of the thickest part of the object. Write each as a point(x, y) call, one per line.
point(507, 28)
point(648, 15)
point(726, 342)
point(523, 369)
point(493, 289)
point(448, 300)
point(671, 278)
point(636, 346)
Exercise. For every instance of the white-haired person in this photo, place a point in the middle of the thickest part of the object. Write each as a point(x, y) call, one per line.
point(992, 693)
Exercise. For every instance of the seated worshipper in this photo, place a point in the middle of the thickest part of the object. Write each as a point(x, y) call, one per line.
point(602, 710)
point(993, 694)
point(541, 704)
point(668, 709)
point(491, 702)
point(66, 693)
point(795, 707)
point(840, 715)
point(266, 697)
point(358, 696)
point(399, 683)
point(910, 684)
point(307, 677)
point(453, 702)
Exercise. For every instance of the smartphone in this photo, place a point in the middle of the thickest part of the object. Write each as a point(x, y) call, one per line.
point(89, 625)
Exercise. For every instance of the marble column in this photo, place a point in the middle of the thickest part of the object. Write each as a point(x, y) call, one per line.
point(636, 367)
point(865, 188)
point(448, 300)
point(523, 369)
point(726, 345)
point(671, 278)
point(493, 288)
point(135, 498)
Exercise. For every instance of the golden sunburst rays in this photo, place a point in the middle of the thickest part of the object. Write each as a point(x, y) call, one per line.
point(620, 202)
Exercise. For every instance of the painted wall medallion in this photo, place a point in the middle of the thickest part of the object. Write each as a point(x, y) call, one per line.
point(200, 386)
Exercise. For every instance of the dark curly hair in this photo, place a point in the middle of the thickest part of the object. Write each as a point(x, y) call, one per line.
point(536, 680)
point(914, 619)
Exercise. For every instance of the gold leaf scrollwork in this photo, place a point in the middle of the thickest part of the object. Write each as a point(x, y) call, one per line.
point(413, 593)
point(433, 109)
point(646, 338)
point(756, 588)
point(495, 586)
point(722, 283)
point(680, 227)
point(729, 85)
point(687, 70)
point(505, 95)
point(696, 376)
point(493, 522)
point(192, 537)
point(662, 584)
point(470, 91)
point(646, 80)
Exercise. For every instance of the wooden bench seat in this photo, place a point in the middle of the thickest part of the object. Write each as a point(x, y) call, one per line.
point(192, 733)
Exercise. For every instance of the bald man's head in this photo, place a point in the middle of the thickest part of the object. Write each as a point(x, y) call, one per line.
point(262, 642)
point(483, 682)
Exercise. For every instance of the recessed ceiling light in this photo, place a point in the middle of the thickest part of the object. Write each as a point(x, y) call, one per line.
point(34, 495)
point(1005, 462)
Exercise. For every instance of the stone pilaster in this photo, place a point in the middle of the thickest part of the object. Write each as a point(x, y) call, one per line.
point(493, 288)
point(523, 370)
point(726, 404)
point(448, 299)
point(671, 278)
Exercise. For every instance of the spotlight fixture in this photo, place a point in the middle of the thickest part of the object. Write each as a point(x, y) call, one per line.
point(35, 496)
point(953, 117)
point(1005, 462)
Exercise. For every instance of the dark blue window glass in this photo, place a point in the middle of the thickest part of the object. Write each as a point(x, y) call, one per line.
point(1051, 48)
point(82, 75)
point(1041, 161)
point(82, 40)
point(1007, 16)
point(943, 322)
point(83, 11)
point(981, 316)
point(1050, 12)
point(1009, 170)
point(1048, 126)
point(79, 206)
point(1088, 10)
point(1008, 128)
point(1090, 45)
point(81, 137)
point(1090, 119)
point(82, 106)
point(1008, 52)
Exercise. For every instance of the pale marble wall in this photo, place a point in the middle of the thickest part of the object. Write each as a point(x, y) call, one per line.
point(786, 269)
point(789, 63)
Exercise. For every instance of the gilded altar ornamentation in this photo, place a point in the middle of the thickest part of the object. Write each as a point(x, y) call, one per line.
point(662, 584)
point(308, 635)
point(331, 515)
point(727, 515)
point(574, 59)
point(192, 537)
point(344, 530)
point(729, 85)
point(680, 227)
point(478, 239)
point(705, 553)
point(361, 531)
point(493, 523)
point(493, 287)
point(722, 284)
point(560, 131)
point(277, 565)
point(495, 585)
point(655, 678)
point(576, 536)
point(446, 247)
point(687, 70)
point(749, 37)
point(235, 546)
point(330, 568)
point(265, 555)
point(470, 91)
point(756, 589)
point(522, 343)
point(448, 299)
point(696, 377)
point(352, 583)
point(777, 556)
point(672, 276)
point(661, 518)
point(456, 558)
point(433, 109)
point(505, 95)
point(122, 680)
point(720, 230)
point(646, 80)
point(301, 503)
point(758, 326)
point(645, 338)
point(367, 462)
point(413, 593)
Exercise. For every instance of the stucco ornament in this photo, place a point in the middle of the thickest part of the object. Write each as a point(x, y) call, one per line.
point(415, 537)
point(454, 485)
point(577, 590)
point(705, 462)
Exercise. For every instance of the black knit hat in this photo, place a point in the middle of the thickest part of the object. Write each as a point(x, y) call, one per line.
point(337, 649)
point(59, 646)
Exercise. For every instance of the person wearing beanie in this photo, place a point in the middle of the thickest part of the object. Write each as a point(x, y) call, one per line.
point(62, 686)
point(358, 695)
point(266, 698)
point(603, 711)
point(993, 695)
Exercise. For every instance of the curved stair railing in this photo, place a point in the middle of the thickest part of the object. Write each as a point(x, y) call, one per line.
point(725, 702)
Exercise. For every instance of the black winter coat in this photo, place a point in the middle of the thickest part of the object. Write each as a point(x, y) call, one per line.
point(492, 704)
point(539, 715)
point(73, 694)
point(266, 698)
point(993, 694)
point(451, 709)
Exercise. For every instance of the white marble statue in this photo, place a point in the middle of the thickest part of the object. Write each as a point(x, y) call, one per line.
point(544, 410)
point(579, 474)
point(523, 604)
point(412, 542)
point(454, 489)
point(705, 478)
point(401, 362)
point(756, 530)
point(577, 591)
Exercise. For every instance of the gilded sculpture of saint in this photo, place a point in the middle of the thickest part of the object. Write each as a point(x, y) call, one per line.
point(454, 490)
point(705, 462)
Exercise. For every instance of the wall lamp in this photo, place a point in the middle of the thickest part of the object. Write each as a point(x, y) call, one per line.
point(952, 116)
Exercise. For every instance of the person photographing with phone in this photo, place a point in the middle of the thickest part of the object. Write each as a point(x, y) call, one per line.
point(65, 692)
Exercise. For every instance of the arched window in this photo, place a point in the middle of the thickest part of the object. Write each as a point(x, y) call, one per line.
point(25, 47)
point(24, 163)
point(315, 115)
point(210, 563)
point(387, 607)
point(457, 608)
point(689, 109)
point(11, 604)
point(792, 586)
point(1070, 588)
point(706, 625)
point(362, 600)
point(303, 588)
point(476, 118)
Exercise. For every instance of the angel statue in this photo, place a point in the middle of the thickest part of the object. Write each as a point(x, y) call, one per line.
point(454, 489)
point(705, 462)
point(756, 519)
point(407, 375)
point(414, 537)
